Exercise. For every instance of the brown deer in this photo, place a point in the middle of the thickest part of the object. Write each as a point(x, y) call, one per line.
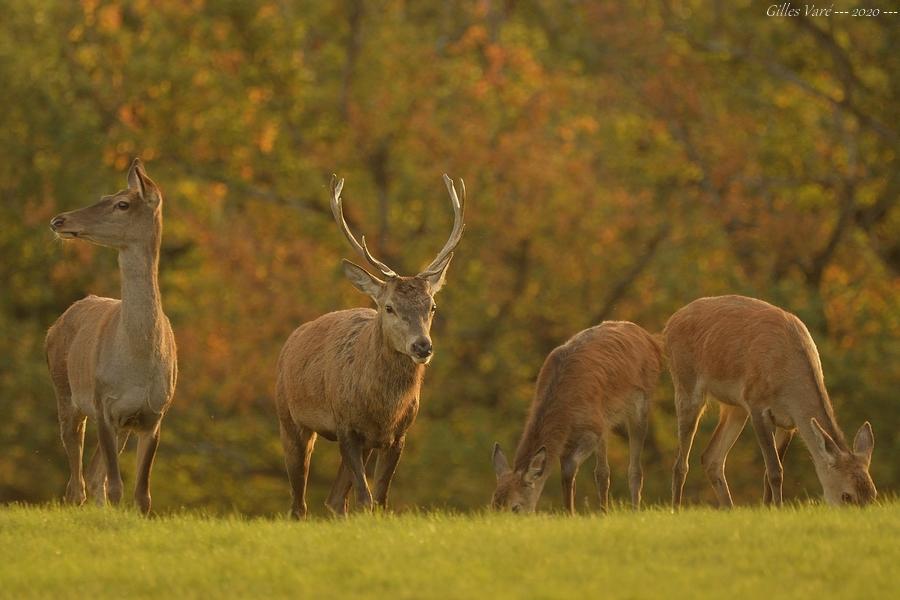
point(114, 360)
point(601, 378)
point(759, 360)
point(353, 376)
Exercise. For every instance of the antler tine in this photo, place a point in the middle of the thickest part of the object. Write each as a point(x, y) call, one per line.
point(337, 209)
point(459, 225)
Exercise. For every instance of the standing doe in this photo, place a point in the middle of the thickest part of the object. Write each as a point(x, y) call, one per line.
point(354, 375)
point(114, 360)
point(601, 378)
point(759, 360)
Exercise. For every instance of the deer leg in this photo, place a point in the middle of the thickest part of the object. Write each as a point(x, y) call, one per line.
point(783, 439)
point(71, 428)
point(568, 467)
point(338, 501)
point(688, 408)
point(146, 452)
point(96, 477)
point(601, 473)
point(298, 443)
point(731, 423)
point(570, 461)
point(339, 497)
point(106, 434)
point(764, 428)
point(96, 471)
point(637, 433)
point(352, 455)
point(385, 468)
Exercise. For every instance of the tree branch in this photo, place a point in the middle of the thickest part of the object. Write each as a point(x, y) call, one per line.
point(822, 258)
point(621, 287)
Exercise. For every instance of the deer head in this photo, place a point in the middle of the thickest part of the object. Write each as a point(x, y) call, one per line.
point(845, 475)
point(130, 217)
point(405, 305)
point(518, 490)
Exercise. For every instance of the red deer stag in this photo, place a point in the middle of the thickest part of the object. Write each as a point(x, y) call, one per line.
point(114, 360)
point(759, 360)
point(353, 376)
point(601, 378)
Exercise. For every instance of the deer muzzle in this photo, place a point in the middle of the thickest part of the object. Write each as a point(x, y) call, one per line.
point(58, 226)
point(422, 350)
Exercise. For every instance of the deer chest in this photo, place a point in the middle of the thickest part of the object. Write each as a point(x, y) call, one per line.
point(381, 423)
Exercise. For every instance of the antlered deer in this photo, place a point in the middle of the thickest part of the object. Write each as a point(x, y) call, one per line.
point(114, 360)
point(757, 359)
point(601, 378)
point(354, 375)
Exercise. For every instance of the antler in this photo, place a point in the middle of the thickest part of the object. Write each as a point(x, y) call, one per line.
point(459, 210)
point(338, 212)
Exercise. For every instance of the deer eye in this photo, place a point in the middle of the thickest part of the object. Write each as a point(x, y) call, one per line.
point(389, 309)
point(122, 205)
point(433, 307)
point(846, 498)
point(517, 508)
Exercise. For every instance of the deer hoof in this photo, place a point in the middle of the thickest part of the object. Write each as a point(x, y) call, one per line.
point(75, 493)
point(143, 502)
point(114, 492)
point(365, 502)
point(337, 508)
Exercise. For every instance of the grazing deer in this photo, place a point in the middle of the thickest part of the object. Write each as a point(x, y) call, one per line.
point(114, 360)
point(759, 360)
point(601, 378)
point(354, 375)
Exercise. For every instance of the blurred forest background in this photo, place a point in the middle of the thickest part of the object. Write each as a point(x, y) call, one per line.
point(622, 159)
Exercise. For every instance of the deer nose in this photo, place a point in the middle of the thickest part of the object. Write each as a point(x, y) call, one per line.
point(422, 348)
point(57, 222)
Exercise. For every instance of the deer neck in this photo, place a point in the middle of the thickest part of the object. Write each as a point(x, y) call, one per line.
point(393, 370)
point(540, 432)
point(142, 314)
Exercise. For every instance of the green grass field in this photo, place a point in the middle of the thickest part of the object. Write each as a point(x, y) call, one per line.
point(803, 551)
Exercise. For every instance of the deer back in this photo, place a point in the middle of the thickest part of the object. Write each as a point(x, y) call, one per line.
point(763, 349)
point(591, 381)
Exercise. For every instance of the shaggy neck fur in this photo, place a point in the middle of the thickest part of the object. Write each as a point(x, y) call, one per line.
point(540, 432)
point(393, 377)
point(546, 427)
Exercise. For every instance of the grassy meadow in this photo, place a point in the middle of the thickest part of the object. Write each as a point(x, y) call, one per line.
point(801, 551)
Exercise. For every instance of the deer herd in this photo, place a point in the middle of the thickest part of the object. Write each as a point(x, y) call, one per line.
point(354, 377)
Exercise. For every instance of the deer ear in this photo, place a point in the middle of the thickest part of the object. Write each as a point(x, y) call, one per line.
point(135, 182)
point(825, 442)
point(864, 442)
point(501, 465)
point(537, 466)
point(437, 277)
point(140, 182)
point(363, 280)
